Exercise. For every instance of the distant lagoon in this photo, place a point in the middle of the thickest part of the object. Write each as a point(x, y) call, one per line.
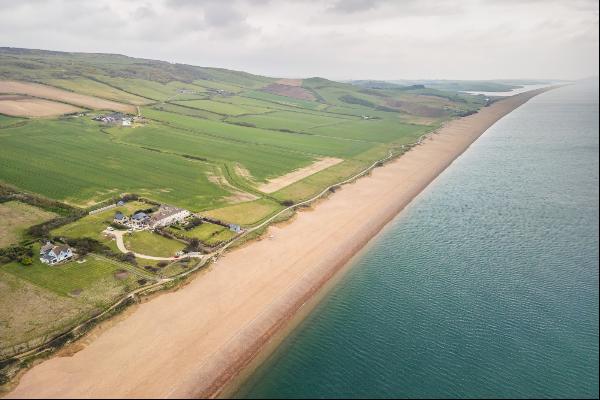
point(518, 90)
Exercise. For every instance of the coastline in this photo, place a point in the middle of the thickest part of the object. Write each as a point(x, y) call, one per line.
point(194, 342)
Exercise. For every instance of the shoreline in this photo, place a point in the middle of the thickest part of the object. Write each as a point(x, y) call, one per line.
point(195, 342)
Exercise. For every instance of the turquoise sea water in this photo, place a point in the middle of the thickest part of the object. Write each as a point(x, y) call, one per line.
point(486, 285)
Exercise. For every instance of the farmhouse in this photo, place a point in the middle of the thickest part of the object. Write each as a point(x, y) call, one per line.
point(120, 218)
point(53, 254)
point(167, 215)
point(139, 220)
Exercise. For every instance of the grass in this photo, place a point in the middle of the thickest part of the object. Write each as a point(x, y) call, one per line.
point(38, 300)
point(152, 244)
point(66, 278)
point(29, 312)
point(5, 120)
point(248, 213)
point(16, 217)
point(91, 226)
point(210, 234)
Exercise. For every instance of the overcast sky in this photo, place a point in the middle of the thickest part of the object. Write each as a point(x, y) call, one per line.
point(337, 39)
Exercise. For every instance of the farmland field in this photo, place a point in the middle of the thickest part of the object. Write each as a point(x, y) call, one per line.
point(210, 136)
point(97, 89)
point(221, 107)
point(52, 93)
point(15, 217)
point(78, 163)
point(23, 106)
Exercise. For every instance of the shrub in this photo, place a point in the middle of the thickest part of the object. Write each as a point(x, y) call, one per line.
point(26, 260)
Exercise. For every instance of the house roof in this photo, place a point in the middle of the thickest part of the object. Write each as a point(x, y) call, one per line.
point(46, 248)
point(140, 216)
point(60, 248)
point(165, 211)
point(119, 215)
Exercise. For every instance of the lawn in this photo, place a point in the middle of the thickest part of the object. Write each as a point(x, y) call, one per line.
point(210, 234)
point(16, 217)
point(65, 279)
point(152, 244)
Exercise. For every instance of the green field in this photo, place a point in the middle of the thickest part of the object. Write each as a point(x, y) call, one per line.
point(222, 108)
point(75, 161)
point(97, 89)
point(152, 244)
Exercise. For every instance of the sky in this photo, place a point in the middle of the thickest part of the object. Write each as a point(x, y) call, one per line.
point(335, 39)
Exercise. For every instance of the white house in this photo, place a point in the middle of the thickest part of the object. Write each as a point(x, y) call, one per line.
point(51, 254)
point(167, 215)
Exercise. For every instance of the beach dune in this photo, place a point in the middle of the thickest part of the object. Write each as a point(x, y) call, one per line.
point(192, 342)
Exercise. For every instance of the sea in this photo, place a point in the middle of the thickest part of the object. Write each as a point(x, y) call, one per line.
point(486, 285)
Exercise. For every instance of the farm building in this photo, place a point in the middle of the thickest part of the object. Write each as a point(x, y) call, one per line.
point(167, 215)
point(52, 254)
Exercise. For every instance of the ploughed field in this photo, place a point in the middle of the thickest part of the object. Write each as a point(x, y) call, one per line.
point(208, 139)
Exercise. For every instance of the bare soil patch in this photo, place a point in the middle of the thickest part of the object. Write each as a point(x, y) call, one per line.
point(280, 182)
point(52, 93)
point(295, 92)
point(290, 82)
point(23, 106)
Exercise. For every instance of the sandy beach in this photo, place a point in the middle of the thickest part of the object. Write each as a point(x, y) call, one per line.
point(194, 341)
